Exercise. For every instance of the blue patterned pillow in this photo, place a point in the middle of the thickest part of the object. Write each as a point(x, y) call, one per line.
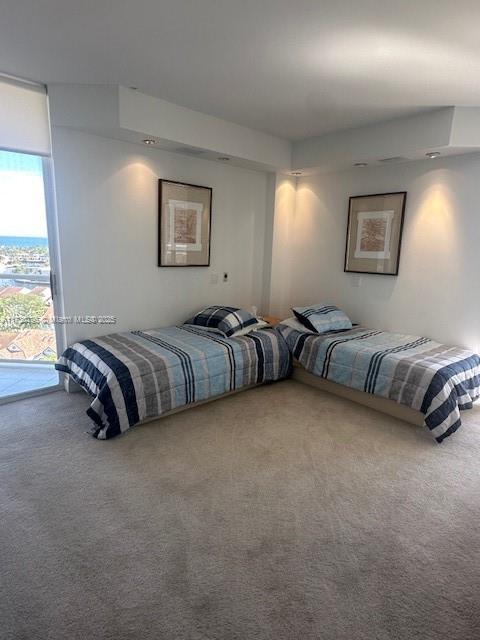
point(322, 318)
point(227, 320)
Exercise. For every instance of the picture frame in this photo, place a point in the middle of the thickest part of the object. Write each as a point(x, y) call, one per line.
point(374, 233)
point(184, 224)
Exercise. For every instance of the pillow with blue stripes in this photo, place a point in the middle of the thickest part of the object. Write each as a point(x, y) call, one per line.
point(323, 318)
point(226, 320)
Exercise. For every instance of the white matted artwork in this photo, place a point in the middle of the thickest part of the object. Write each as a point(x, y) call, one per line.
point(374, 233)
point(184, 212)
point(185, 225)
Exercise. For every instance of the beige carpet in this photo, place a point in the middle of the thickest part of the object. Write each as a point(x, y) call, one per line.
point(279, 513)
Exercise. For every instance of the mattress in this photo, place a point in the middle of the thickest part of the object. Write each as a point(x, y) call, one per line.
point(137, 375)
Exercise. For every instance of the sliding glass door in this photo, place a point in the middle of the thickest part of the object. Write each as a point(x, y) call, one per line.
point(28, 346)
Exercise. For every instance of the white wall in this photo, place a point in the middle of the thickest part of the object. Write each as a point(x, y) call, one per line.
point(107, 221)
point(282, 267)
point(107, 225)
point(436, 292)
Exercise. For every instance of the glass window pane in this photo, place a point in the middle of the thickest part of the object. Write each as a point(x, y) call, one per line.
point(26, 307)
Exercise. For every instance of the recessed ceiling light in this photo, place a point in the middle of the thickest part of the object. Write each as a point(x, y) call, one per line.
point(360, 164)
point(432, 154)
point(148, 141)
point(296, 173)
point(223, 158)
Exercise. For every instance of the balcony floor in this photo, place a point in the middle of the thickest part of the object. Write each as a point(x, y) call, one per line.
point(25, 377)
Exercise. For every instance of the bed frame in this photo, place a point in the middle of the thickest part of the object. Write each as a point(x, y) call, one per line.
point(73, 387)
point(185, 407)
point(390, 407)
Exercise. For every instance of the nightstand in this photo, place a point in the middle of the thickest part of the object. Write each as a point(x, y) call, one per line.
point(272, 320)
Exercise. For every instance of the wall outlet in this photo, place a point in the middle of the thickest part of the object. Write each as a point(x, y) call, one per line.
point(225, 277)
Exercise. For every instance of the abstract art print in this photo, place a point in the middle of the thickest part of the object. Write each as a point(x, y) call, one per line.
point(374, 233)
point(184, 224)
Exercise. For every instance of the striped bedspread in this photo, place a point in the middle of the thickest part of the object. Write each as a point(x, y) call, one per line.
point(437, 380)
point(142, 374)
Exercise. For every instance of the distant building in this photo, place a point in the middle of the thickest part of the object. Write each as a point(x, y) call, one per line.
point(30, 344)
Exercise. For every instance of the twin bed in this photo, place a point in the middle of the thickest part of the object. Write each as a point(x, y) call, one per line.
point(432, 381)
point(139, 375)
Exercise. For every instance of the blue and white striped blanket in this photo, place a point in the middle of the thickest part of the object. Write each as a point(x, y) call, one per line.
point(142, 374)
point(437, 380)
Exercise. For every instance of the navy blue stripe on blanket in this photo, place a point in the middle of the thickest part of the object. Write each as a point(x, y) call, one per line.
point(124, 378)
point(104, 393)
point(442, 412)
point(332, 345)
point(323, 311)
point(467, 385)
point(91, 413)
point(300, 343)
point(377, 359)
point(261, 357)
point(223, 342)
point(449, 431)
point(445, 373)
point(85, 365)
point(185, 363)
point(63, 369)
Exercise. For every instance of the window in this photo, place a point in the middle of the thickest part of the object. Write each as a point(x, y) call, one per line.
point(27, 332)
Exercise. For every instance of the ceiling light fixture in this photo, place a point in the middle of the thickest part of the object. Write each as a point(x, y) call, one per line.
point(296, 173)
point(361, 164)
point(432, 154)
point(223, 158)
point(148, 141)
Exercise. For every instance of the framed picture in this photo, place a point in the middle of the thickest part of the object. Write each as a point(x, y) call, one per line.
point(184, 219)
point(374, 233)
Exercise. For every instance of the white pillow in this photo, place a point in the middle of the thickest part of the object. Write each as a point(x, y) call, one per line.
point(296, 324)
point(261, 324)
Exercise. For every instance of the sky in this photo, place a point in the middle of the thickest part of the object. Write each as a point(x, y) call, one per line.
point(22, 203)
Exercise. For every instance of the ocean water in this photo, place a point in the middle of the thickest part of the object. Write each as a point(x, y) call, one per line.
point(23, 241)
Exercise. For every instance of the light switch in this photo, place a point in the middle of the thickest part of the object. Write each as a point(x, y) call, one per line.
point(214, 278)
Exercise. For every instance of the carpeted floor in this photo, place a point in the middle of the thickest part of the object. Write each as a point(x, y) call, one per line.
point(279, 513)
